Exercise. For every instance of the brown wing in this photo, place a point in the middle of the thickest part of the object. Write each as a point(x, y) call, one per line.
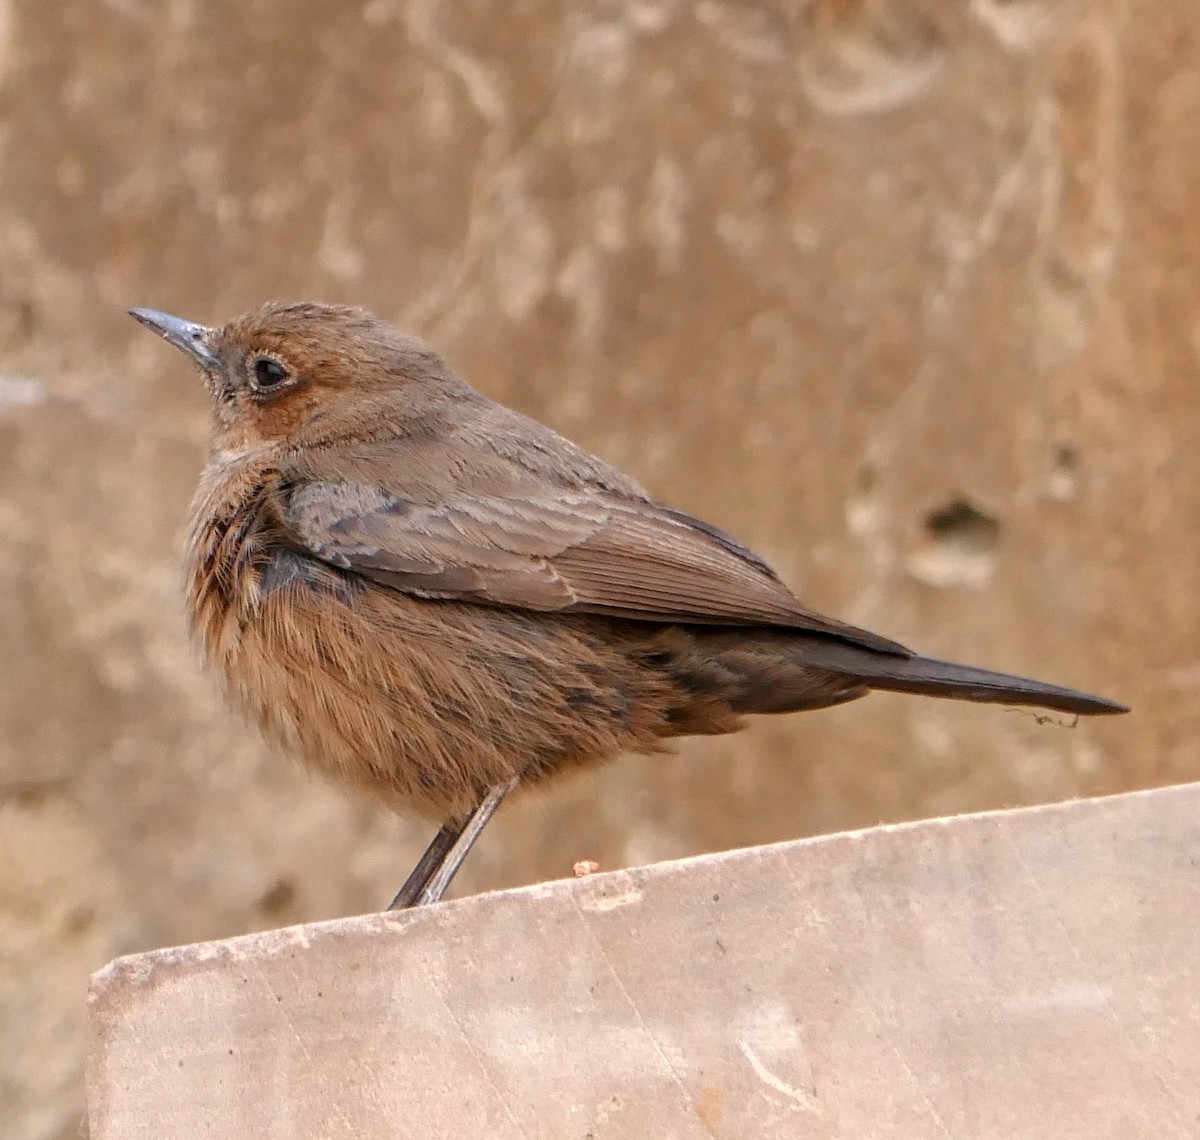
point(581, 551)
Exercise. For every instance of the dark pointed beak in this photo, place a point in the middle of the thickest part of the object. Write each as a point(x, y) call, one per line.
point(191, 338)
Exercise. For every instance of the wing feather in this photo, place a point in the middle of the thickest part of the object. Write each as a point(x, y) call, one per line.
point(583, 551)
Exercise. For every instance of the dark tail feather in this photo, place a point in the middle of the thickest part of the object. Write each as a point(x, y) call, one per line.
point(966, 683)
point(931, 677)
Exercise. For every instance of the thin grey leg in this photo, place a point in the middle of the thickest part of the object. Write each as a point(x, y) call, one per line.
point(427, 864)
point(469, 831)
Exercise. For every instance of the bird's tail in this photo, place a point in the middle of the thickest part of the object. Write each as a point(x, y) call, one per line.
point(931, 677)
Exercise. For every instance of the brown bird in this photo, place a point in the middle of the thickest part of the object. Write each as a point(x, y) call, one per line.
point(426, 594)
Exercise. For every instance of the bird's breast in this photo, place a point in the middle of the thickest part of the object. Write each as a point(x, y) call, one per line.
point(425, 704)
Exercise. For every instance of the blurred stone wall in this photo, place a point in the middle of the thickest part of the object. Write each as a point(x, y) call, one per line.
point(901, 293)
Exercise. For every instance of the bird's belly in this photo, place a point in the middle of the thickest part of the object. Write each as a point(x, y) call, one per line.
point(428, 704)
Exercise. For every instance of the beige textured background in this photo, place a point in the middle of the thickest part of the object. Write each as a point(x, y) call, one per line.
point(815, 271)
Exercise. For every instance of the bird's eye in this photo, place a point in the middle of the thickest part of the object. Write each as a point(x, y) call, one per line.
point(268, 373)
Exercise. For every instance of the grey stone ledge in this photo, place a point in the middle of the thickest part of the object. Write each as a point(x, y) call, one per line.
point(1029, 973)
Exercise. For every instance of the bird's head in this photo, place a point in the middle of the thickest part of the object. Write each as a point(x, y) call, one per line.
point(302, 372)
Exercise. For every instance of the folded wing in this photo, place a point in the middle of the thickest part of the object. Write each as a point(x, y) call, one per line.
point(582, 551)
